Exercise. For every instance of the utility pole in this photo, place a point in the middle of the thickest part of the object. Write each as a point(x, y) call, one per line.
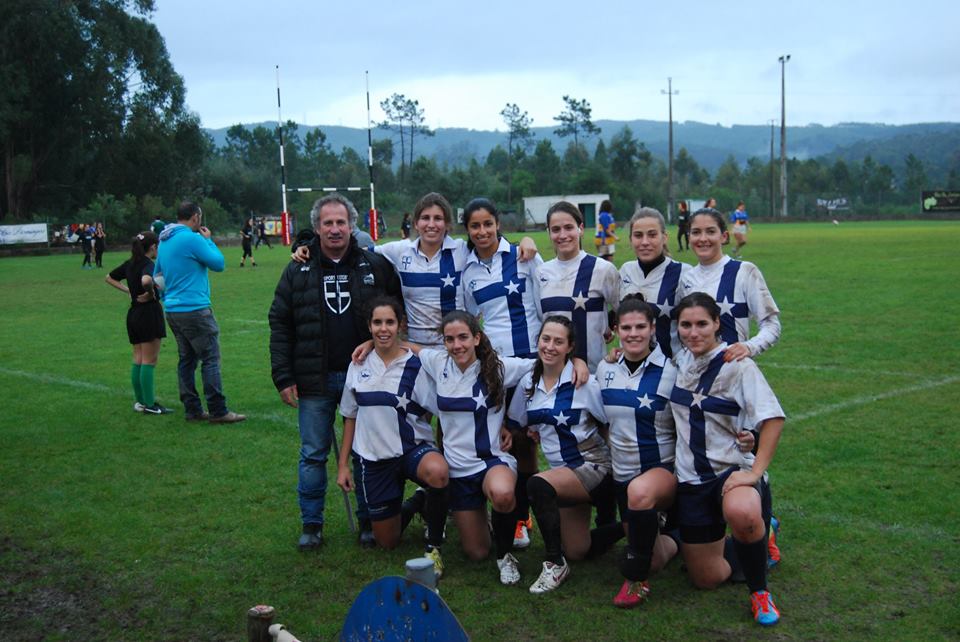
point(783, 135)
point(670, 94)
point(772, 189)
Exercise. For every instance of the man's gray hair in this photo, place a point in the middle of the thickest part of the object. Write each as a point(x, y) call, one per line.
point(334, 197)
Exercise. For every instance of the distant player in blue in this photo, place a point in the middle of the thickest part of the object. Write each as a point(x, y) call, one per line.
point(390, 439)
point(566, 420)
point(503, 292)
point(606, 237)
point(741, 225)
point(715, 401)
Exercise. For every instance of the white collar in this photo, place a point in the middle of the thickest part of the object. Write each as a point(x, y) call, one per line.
point(448, 244)
point(656, 358)
point(566, 376)
point(502, 247)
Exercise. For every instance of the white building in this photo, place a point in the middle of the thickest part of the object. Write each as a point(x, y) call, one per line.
point(535, 207)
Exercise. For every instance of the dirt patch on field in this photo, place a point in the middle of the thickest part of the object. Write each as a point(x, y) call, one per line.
point(49, 597)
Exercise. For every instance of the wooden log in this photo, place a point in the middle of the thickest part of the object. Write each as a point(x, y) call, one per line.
point(259, 619)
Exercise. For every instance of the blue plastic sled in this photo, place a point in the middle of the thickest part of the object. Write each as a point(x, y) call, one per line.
point(395, 608)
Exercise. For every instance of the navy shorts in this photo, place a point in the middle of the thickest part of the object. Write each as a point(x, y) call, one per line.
point(700, 509)
point(466, 493)
point(382, 481)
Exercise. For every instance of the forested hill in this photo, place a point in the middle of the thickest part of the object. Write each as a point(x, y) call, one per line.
point(936, 144)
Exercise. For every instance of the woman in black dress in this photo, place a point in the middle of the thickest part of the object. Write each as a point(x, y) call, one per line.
point(145, 325)
point(99, 244)
point(246, 235)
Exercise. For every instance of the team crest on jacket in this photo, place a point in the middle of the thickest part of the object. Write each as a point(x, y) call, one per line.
point(336, 292)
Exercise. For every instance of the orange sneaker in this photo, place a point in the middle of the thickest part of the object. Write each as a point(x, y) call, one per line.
point(521, 537)
point(773, 551)
point(765, 612)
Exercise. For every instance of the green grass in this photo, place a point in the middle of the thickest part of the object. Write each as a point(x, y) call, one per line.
point(127, 527)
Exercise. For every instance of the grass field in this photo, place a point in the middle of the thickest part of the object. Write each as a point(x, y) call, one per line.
point(119, 526)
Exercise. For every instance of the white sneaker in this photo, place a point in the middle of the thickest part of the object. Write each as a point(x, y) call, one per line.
point(551, 577)
point(509, 570)
point(138, 407)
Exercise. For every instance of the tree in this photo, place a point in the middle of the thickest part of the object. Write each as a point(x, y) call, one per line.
point(415, 120)
point(915, 177)
point(395, 108)
point(575, 120)
point(624, 155)
point(544, 165)
point(518, 134)
point(728, 175)
point(73, 77)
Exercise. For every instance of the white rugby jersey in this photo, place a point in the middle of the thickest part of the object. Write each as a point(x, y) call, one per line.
point(471, 429)
point(642, 434)
point(660, 290)
point(431, 287)
point(581, 289)
point(742, 294)
point(386, 402)
point(506, 296)
point(712, 401)
point(564, 416)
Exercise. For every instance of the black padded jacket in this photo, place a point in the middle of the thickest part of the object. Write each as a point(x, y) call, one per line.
point(298, 320)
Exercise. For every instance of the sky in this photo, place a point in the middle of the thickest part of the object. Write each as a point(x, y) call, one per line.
point(885, 61)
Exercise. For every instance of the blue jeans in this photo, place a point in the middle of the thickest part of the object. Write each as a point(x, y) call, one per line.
point(197, 337)
point(317, 415)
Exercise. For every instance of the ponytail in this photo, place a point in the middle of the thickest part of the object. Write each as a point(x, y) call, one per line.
point(141, 244)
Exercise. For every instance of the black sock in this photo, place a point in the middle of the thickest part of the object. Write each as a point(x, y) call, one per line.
point(410, 507)
point(436, 515)
point(603, 537)
point(730, 554)
point(503, 527)
point(522, 511)
point(753, 559)
point(604, 499)
point(543, 500)
point(643, 528)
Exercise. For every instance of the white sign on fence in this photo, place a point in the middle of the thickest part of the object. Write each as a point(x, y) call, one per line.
point(30, 233)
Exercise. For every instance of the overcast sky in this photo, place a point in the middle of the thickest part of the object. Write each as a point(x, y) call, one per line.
point(881, 61)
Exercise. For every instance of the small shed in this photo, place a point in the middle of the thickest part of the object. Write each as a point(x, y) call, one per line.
point(535, 207)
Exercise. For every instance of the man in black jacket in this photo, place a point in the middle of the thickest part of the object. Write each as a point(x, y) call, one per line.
point(317, 318)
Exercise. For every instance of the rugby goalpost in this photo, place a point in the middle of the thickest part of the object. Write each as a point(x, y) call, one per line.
point(284, 190)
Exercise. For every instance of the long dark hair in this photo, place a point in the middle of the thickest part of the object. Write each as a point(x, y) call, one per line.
point(491, 368)
point(141, 244)
point(567, 208)
point(475, 206)
point(384, 301)
point(538, 366)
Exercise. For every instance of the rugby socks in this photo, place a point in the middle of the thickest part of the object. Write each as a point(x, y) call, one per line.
point(522, 511)
point(603, 537)
point(146, 384)
point(543, 500)
point(604, 499)
point(135, 382)
point(436, 515)
point(730, 554)
point(411, 506)
point(643, 528)
point(503, 527)
point(753, 559)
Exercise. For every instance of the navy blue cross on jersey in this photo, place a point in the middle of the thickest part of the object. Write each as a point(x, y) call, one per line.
point(400, 401)
point(699, 401)
point(562, 417)
point(666, 297)
point(730, 310)
point(511, 288)
point(645, 403)
point(477, 406)
point(578, 304)
point(447, 280)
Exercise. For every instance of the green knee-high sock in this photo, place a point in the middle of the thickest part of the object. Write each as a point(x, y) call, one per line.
point(146, 384)
point(135, 381)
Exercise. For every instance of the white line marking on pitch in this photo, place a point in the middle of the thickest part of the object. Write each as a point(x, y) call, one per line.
point(251, 321)
point(787, 366)
point(868, 399)
point(64, 381)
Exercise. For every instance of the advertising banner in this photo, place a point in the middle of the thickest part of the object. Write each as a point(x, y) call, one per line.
point(29, 233)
